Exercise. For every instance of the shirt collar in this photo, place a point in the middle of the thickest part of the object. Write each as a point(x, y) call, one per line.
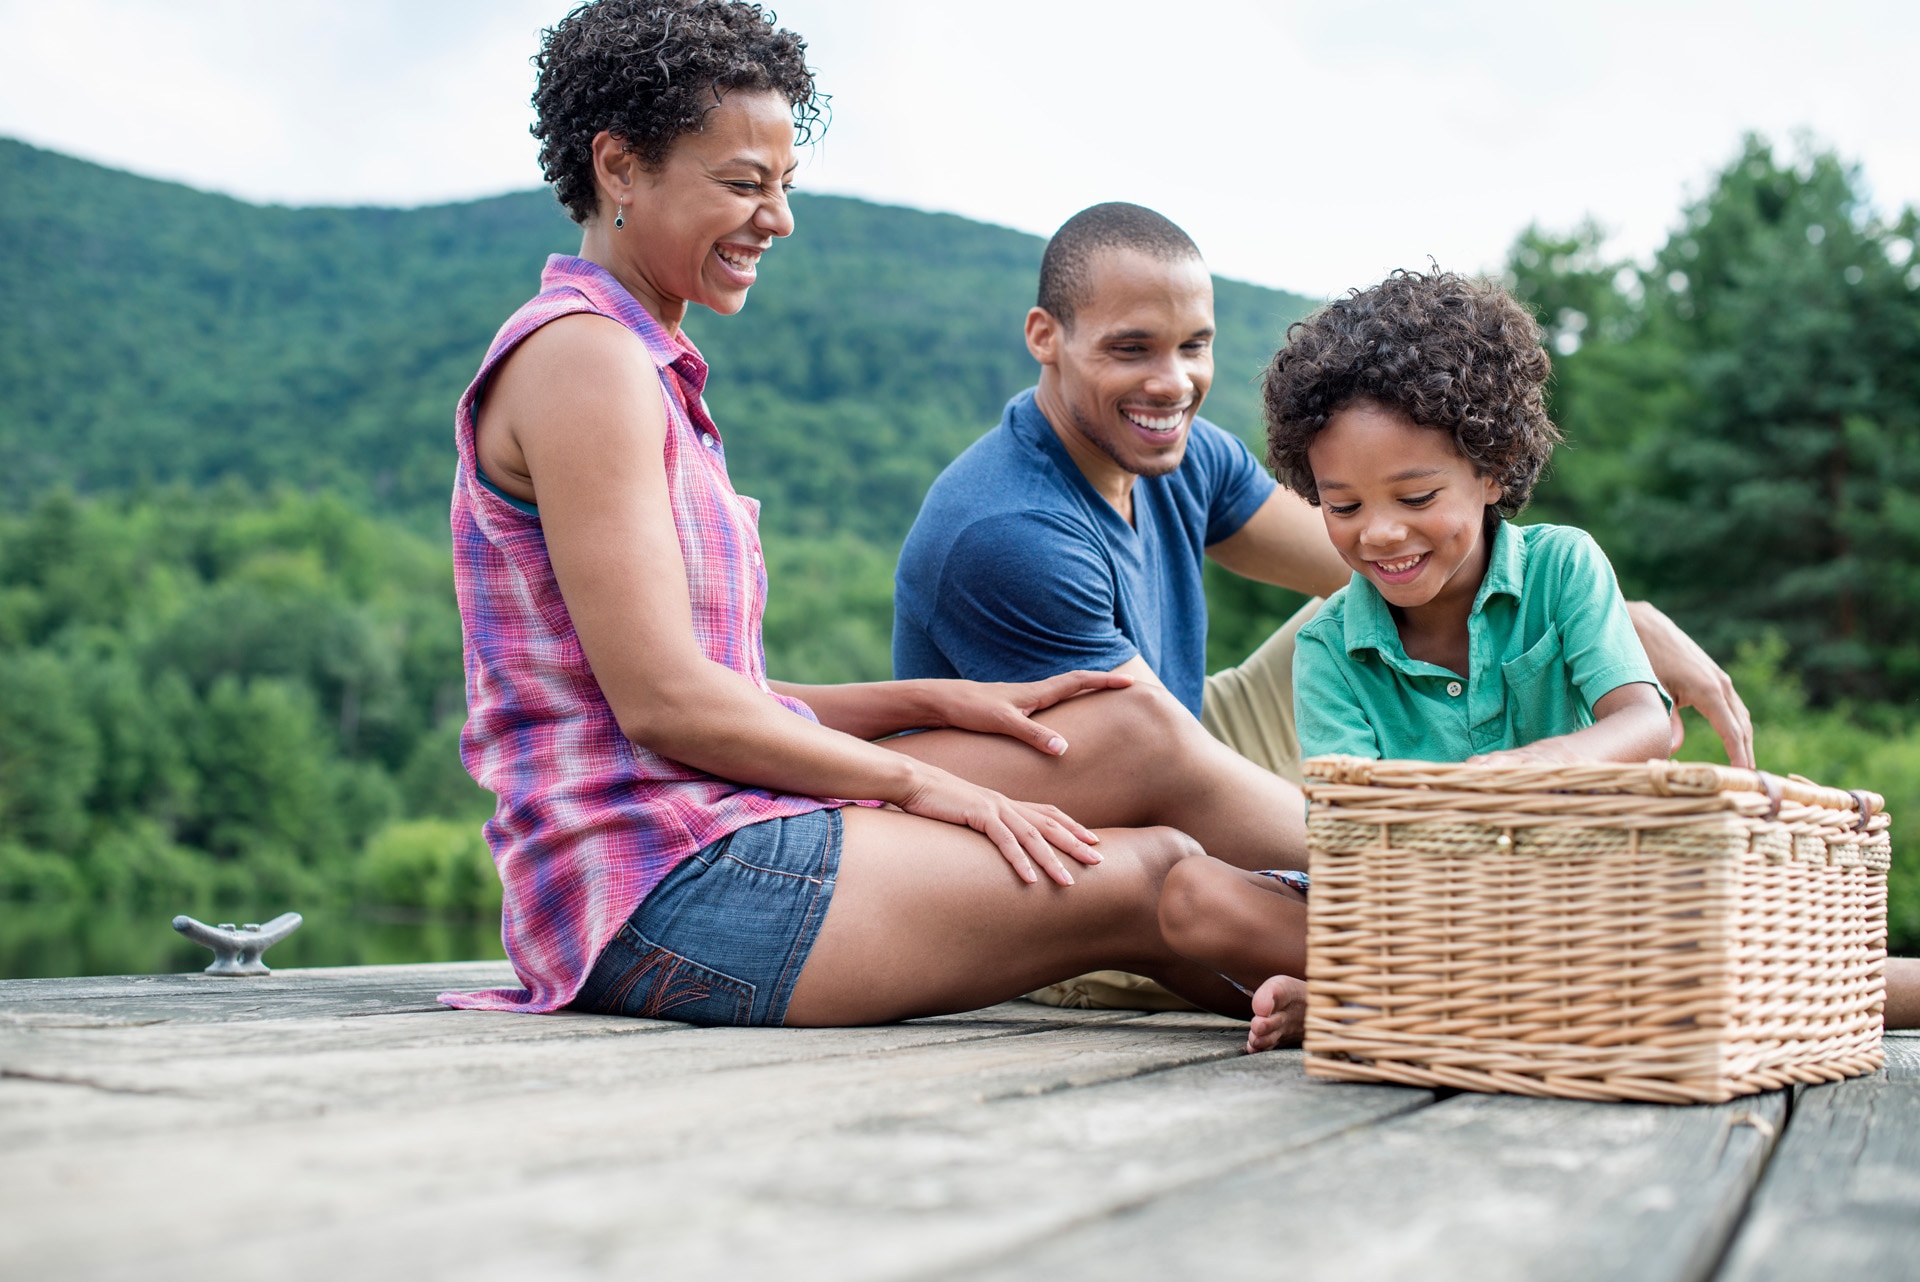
point(1369, 624)
point(597, 284)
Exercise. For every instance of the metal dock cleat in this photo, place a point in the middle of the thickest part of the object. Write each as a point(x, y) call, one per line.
point(237, 949)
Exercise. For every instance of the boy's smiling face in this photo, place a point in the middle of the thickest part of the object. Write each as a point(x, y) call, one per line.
point(1402, 505)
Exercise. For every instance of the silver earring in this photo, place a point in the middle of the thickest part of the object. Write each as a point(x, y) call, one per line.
point(620, 218)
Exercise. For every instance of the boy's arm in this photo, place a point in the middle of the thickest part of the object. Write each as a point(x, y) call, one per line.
point(1630, 724)
point(1327, 713)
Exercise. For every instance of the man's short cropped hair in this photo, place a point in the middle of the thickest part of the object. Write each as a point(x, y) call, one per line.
point(1066, 269)
point(1451, 353)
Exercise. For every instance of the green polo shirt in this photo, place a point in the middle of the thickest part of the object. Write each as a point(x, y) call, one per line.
point(1549, 637)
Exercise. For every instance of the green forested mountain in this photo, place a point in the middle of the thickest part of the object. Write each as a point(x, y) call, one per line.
point(154, 333)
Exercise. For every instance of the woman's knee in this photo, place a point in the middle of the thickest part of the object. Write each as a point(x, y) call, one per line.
point(1163, 849)
point(1190, 903)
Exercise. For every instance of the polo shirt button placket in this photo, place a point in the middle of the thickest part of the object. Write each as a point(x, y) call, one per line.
point(1453, 689)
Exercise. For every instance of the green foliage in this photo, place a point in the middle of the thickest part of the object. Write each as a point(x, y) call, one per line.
point(438, 865)
point(213, 698)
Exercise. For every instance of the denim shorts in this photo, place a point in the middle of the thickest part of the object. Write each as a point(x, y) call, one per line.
point(723, 938)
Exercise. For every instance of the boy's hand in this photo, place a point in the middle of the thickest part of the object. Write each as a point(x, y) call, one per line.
point(1695, 680)
point(1533, 754)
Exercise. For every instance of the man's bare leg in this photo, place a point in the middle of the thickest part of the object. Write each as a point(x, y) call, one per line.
point(926, 918)
point(1903, 992)
point(1137, 758)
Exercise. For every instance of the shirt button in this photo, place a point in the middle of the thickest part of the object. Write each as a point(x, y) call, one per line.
point(1453, 689)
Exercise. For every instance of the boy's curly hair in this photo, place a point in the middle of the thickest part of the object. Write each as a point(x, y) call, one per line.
point(648, 71)
point(1454, 354)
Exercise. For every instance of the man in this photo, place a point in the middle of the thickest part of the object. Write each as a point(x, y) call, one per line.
point(1072, 535)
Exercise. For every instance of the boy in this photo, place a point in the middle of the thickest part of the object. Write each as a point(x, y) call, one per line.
point(1411, 414)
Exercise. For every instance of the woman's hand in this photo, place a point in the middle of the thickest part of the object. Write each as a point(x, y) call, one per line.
point(1026, 833)
point(1007, 707)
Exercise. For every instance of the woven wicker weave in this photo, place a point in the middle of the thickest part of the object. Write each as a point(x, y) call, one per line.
point(1666, 931)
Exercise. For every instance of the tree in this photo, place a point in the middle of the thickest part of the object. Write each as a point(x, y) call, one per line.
point(1757, 409)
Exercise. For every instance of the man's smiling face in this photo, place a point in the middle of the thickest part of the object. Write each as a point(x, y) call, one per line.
point(1129, 373)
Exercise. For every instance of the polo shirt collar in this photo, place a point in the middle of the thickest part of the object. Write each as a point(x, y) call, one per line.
point(1369, 624)
point(608, 295)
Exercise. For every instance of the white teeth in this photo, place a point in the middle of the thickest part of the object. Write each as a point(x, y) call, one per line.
point(1155, 423)
point(738, 262)
point(1395, 567)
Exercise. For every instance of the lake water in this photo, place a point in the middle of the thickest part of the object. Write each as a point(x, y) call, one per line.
point(40, 940)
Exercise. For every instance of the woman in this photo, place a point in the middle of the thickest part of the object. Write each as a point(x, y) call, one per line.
point(671, 832)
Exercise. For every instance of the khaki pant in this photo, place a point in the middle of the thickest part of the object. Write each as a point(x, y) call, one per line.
point(1250, 709)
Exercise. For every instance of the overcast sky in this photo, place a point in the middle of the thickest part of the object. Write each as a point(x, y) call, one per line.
point(1312, 147)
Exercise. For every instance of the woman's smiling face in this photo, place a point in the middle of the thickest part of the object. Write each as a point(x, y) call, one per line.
point(1402, 505)
point(697, 226)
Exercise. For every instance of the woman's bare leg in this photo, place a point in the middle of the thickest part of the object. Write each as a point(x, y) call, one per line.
point(1245, 926)
point(1137, 758)
point(927, 918)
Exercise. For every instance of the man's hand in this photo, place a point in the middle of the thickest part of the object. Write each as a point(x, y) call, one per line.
point(1007, 707)
point(1695, 681)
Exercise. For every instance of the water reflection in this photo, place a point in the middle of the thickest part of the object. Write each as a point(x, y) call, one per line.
point(40, 940)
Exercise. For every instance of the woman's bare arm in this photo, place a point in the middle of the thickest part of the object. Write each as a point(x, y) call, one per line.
point(871, 710)
point(581, 405)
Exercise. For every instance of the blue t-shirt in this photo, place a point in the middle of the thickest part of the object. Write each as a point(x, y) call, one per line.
point(1017, 569)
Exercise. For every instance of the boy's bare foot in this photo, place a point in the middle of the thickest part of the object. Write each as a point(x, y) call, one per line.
point(1279, 1014)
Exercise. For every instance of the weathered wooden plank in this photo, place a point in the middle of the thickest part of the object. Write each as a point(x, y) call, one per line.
point(63, 1085)
point(1479, 1188)
point(906, 1174)
point(107, 1000)
point(333, 1137)
point(1841, 1197)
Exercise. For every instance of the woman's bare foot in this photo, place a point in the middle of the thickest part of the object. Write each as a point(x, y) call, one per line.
point(1279, 1014)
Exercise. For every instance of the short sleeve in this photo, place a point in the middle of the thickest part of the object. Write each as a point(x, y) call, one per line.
point(1327, 713)
point(1597, 641)
point(1026, 597)
point(1237, 484)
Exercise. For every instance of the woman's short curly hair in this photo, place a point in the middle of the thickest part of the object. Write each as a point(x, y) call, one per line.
point(648, 71)
point(1454, 354)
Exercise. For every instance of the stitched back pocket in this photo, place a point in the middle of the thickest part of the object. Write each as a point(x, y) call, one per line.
point(638, 978)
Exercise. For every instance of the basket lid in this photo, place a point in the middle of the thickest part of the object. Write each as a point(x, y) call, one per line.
point(1641, 779)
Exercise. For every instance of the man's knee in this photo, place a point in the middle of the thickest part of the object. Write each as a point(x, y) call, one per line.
point(1145, 720)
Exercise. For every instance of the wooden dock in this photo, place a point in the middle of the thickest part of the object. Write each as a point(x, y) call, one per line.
point(338, 1124)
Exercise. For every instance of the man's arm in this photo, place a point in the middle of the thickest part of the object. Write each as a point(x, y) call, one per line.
point(1284, 543)
point(1695, 681)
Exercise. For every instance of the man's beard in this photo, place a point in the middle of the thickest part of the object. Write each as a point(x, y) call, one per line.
point(1099, 442)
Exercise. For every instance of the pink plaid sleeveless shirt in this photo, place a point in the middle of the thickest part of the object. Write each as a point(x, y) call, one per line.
point(588, 822)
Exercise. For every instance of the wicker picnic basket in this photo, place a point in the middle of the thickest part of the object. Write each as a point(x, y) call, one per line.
point(1667, 931)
